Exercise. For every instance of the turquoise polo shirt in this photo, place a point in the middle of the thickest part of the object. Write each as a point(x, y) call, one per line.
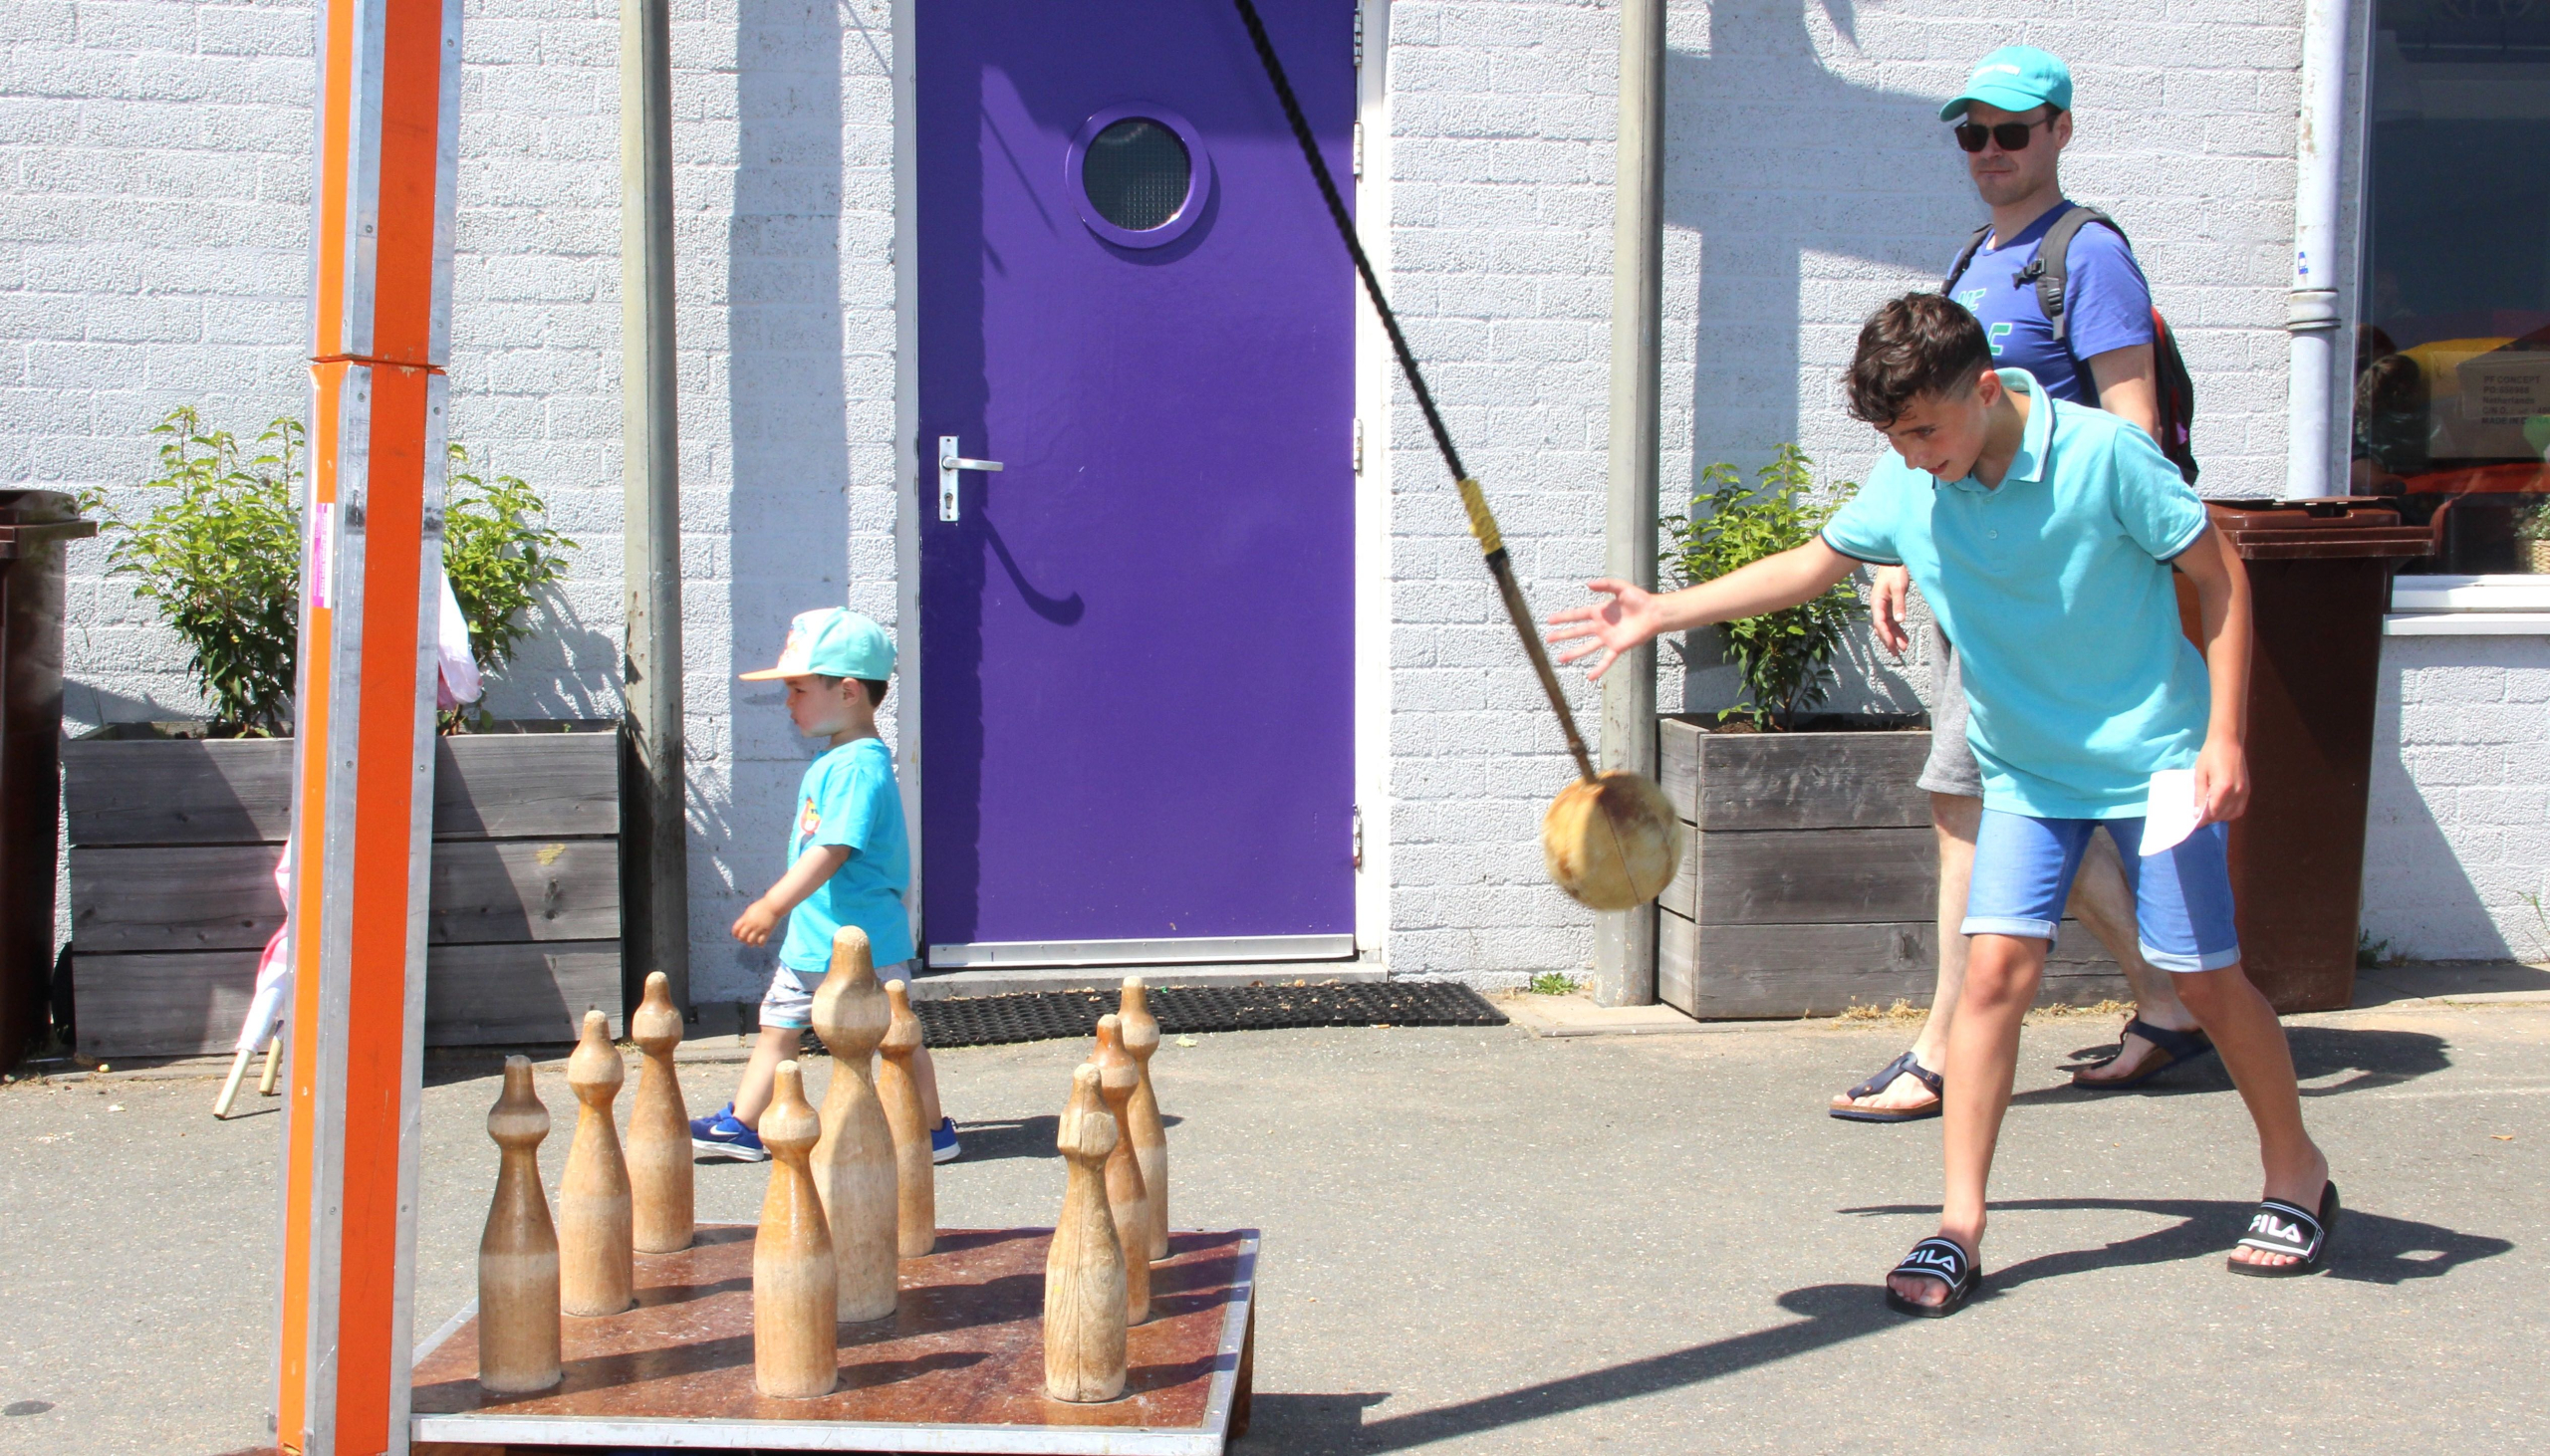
point(850, 797)
point(2056, 589)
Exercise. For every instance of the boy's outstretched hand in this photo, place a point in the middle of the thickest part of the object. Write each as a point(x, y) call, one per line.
point(754, 925)
point(2222, 781)
point(1626, 621)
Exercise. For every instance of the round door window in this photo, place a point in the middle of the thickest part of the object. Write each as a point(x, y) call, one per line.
point(1138, 175)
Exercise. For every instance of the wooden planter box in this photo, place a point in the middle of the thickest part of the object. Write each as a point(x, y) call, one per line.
point(1810, 882)
point(174, 846)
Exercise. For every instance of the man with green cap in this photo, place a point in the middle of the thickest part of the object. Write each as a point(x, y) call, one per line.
point(2013, 117)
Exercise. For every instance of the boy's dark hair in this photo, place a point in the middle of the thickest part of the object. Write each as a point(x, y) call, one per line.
point(876, 689)
point(1920, 344)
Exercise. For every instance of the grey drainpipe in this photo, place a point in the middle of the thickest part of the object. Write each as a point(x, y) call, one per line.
point(1625, 941)
point(2313, 309)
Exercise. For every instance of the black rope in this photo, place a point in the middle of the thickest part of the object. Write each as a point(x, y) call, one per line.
point(1345, 230)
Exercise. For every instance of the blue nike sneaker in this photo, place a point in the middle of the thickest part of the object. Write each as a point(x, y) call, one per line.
point(720, 1135)
point(942, 1141)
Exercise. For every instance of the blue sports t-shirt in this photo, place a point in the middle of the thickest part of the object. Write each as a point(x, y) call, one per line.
point(2056, 587)
point(2104, 295)
point(849, 798)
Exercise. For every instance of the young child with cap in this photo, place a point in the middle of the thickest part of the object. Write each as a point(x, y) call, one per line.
point(849, 864)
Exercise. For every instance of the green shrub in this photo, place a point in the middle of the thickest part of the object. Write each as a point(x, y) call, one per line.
point(1784, 657)
point(500, 554)
point(222, 562)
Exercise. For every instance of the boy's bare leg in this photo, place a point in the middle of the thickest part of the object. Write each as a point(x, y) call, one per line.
point(925, 1078)
point(774, 1045)
point(2001, 975)
point(2245, 1030)
point(2102, 901)
point(1953, 818)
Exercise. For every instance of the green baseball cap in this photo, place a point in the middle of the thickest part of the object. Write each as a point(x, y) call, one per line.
point(833, 642)
point(2015, 78)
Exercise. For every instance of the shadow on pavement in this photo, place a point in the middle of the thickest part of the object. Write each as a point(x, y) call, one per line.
point(2367, 1057)
point(2370, 1248)
point(1334, 1423)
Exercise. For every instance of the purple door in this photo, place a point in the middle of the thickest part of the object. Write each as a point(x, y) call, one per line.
point(1137, 635)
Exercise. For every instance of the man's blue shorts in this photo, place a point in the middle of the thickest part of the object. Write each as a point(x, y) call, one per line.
point(2023, 868)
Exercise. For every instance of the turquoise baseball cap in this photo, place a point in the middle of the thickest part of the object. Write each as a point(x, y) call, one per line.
point(833, 642)
point(2015, 78)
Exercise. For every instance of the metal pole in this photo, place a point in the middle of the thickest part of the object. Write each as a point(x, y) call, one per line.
point(386, 166)
point(1625, 941)
point(655, 922)
point(2312, 312)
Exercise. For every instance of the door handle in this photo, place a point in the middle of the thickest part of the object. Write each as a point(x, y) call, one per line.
point(949, 463)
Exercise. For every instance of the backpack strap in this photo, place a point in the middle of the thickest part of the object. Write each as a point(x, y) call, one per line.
point(1956, 270)
point(2049, 269)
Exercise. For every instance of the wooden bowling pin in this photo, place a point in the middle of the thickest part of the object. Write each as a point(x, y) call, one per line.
point(1085, 1267)
point(1140, 1034)
point(659, 1129)
point(1117, 1077)
point(518, 1254)
point(916, 1175)
point(853, 1162)
point(795, 1356)
point(597, 1269)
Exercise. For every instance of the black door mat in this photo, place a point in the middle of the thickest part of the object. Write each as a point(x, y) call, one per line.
point(1043, 1016)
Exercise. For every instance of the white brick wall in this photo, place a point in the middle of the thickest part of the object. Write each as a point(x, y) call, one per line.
point(1807, 180)
point(2457, 856)
point(154, 237)
point(153, 251)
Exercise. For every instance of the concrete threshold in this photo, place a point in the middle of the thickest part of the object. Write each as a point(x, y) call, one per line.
point(1007, 981)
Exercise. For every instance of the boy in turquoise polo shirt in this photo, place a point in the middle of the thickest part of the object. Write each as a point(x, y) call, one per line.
point(849, 864)
point(2044, 534)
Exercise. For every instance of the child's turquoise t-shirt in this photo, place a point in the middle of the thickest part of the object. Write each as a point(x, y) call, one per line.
point(849, 798)
point(2056, 589)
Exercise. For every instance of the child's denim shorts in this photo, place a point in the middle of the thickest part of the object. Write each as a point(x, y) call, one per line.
point(2023, 868)
point(790, 1001)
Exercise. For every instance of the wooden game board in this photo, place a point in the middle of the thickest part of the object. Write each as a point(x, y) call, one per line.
point(959, 1368)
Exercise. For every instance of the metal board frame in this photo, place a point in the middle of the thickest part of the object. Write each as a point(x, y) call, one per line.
point(728, 1434)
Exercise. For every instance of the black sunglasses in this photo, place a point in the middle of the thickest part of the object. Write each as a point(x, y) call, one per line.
point(2013, 136)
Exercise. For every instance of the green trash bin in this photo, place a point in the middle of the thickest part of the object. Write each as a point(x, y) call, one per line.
point(35, 528)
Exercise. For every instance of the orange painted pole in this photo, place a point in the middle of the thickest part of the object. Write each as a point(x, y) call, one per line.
point(388, 159)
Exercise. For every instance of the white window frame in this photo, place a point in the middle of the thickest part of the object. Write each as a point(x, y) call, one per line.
point(2458, 606)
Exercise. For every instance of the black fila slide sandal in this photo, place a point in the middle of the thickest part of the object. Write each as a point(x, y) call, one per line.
point(1939, 1259)
point(2279, 1227)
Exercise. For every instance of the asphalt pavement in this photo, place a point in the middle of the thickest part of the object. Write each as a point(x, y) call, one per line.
point(1481, 1241)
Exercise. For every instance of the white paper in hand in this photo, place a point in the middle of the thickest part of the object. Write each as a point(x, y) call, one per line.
point(2171, 814)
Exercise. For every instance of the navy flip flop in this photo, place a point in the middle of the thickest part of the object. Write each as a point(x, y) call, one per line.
point(2175, 1048)
point(1884, 1078)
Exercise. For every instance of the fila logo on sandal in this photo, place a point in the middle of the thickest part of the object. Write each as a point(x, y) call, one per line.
point(2264, 1222)
point(1939, 1259)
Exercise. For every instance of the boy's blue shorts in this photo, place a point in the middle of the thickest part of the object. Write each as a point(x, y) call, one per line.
point(2023, 868)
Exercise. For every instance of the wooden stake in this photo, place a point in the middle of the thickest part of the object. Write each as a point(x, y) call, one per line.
point(854, 1163)
point(518, 1336)
point(1140, 1033)
point(273, 1067)
point(795, 1351)
point(916, 1175)
point(230, 1084)
point(596, 1268)
point(1117, 1079)
point(659, 1151)
point(1085, 1268)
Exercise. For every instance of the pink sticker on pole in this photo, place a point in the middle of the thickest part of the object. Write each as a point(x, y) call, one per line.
point(323, 555)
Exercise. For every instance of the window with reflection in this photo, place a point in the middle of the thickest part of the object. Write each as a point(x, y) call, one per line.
point(2453, 358)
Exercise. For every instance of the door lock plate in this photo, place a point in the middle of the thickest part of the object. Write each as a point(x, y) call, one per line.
point(950, 465)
